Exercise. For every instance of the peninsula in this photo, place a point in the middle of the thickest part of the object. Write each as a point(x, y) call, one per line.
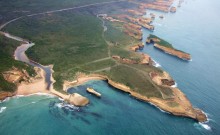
point(167, 47)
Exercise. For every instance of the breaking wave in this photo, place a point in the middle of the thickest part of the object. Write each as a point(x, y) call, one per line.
point(156, 64)
point(174, 86)
point(2, 109)
point(66, 106)
point(206, 126)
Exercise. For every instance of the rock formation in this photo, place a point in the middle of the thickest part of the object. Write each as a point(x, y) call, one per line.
point(92, 91)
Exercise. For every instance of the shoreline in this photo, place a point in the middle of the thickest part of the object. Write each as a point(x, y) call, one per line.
point(185, 109)
point(39, 87)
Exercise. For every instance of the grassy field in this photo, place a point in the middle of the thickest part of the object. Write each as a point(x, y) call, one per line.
point(162, 42)
point(135, 79)
point(7, 48)
point(10, 9)
point(73, 41)
point(120, 42)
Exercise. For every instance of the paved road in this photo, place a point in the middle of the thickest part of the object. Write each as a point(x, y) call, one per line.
point(59, 10)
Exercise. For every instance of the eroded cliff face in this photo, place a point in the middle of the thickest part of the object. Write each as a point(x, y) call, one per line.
point(146, 60)
point(174, 52)
point(178, 105)
point(4, 94)
point(137, 47)
point(16, 76)
point(159, 5)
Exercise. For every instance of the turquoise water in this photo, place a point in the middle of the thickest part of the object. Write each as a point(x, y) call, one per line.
point(195, 28)
point(114, 113)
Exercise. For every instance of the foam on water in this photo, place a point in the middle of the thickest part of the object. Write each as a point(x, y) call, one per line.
point(39, 93)
point(67, 106)
point(5, 100)
point(43, 94)
point(174, 86)
point(159, 108)
point(206, 126)
point(156, 64)
point(61, 99)
point(2, 109)
point(59, 105)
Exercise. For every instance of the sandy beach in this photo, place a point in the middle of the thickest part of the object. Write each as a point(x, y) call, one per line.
point(37, 86)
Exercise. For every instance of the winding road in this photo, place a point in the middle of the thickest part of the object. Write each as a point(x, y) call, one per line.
point(59, 10)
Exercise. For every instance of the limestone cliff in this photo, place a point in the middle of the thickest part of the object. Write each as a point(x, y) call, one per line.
point(174, 52)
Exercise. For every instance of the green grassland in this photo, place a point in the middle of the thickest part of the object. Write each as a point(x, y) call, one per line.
point(10, 9)
point(120, 42)
point(73, 41)
point(7, 48)
point(162, 42)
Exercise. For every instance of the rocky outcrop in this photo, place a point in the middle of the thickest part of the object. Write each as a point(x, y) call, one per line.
point(168, 82)
point(152, 16)
point(137, 47)
point(133, 30)
point(146, 60)
point(135, 12)
point(92, 91)
point(152, 40)
point(173, 9)
point(177, 53)
point(75, 98)
point(179, 104)
point(161, 16)
point(136, 35)
point(160, 5)
point(15, 75)
point(144, 22)
point(132, 26)
point(162, 79)
point(145, 25)
point(182, 105)
point(4, 95)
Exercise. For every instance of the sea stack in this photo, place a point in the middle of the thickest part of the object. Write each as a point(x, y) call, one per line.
point(92, 91)
point(173, 9)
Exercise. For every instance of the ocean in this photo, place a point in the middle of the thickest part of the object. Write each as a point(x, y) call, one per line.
point(194, 28)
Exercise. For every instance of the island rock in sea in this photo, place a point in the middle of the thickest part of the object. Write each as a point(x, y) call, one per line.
point(90, 90)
